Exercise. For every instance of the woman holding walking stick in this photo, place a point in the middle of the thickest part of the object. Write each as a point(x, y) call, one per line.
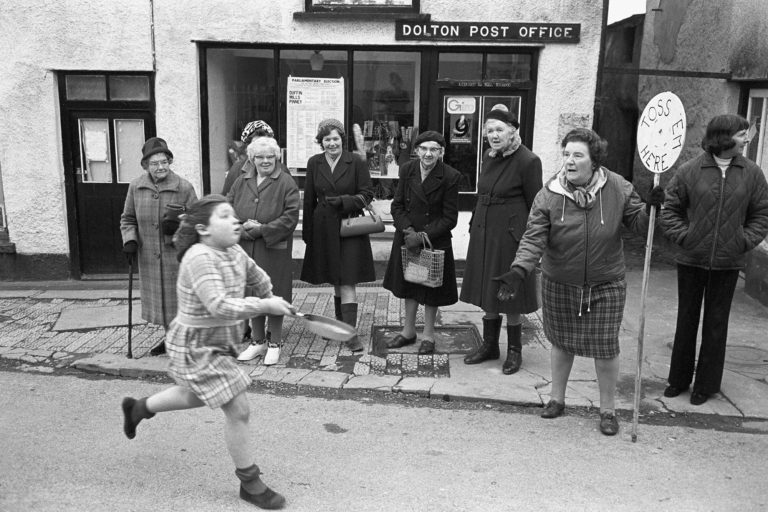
point(716, 210)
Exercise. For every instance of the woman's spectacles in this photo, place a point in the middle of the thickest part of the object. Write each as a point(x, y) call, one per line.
point(155, 165)
point(429, 150)
point(264, 157)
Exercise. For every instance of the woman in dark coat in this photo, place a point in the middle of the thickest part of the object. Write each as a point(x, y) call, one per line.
point(338, 185)
point(509, 180)
point(426, 201)
point(266, 200)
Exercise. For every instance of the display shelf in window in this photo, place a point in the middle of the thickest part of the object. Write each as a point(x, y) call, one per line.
point(387, 145)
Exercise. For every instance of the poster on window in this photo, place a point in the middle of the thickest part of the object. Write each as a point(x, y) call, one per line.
point(462, 111)
point(310, 100)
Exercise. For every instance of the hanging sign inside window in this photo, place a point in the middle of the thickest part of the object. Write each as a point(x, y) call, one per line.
point(309, 101)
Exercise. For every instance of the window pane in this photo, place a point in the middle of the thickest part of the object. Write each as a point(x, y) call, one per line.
point(131, 88)
point(94, 151)
point(129, 138)
point(460, 66)
point(508, 67)
point(241, 89)
point(755, 119)
point(385, 104)
point(86, 87)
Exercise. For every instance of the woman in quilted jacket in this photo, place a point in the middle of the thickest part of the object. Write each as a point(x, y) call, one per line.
point(716, 210)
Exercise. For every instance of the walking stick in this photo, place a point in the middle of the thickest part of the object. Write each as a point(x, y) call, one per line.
point(130, 306)
point(660, 137)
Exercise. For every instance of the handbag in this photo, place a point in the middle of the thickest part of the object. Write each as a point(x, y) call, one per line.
point(426, 267)
point(362, 225)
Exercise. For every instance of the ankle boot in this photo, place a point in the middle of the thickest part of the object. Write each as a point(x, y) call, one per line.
point(490, 348)
point(133, 412)
point(266, 499)
point(514, 350)
point(337, 307)
point(349, 316)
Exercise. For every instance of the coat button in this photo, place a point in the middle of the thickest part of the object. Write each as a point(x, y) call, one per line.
point(154, 225)
point(155, 196)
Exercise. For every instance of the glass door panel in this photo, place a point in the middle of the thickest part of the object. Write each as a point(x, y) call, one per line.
point(129, 139)
point(95, 151)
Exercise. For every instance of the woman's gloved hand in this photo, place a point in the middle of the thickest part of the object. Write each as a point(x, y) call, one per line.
point(655, 198)
point(334, 202)
point(413, 240)
point(130, 248)
point(509, 283)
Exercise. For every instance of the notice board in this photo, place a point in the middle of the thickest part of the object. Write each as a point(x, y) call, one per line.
point(310, 100)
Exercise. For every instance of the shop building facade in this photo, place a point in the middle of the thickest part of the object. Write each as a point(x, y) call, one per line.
point(78, 103)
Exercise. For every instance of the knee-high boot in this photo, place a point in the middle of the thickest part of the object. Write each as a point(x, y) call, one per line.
point(349, 316)
point(490, 348)
point(514, 350)
point(337, 307)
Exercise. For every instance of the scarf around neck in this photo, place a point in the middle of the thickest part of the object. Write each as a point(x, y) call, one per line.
point(516, 141)
point(584, 195)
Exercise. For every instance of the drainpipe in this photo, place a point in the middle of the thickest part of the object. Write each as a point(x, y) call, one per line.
point(600, 65)
point(152, 33)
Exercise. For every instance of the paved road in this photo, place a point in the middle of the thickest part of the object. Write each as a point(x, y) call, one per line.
point(63, 450)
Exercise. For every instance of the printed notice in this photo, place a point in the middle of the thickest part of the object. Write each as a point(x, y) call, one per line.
point(310, 100)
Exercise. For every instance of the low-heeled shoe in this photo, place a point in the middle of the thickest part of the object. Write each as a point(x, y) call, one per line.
point(609, 425)
point(673, 391)
point(553, 409)
point(698, 398)
point(401, 341)
point(269, 499)
point(427, 347)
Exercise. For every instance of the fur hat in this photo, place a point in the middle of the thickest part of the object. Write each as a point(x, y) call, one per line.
point(429, 136)
point(254, 127)
point(153, 146)
point(503, 116)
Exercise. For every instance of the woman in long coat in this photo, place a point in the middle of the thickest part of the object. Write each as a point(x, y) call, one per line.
point(145, 231)
point(508, 182)
point(266, 200)
point(426, 201)
point(338, 185)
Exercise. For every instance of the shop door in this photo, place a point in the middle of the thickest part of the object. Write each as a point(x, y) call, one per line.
point(105, 149)
point(463, 114)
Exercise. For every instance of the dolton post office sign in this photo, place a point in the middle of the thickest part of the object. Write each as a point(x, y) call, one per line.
point(412, 30)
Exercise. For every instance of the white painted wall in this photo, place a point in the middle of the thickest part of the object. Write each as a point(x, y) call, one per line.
point(45, 36)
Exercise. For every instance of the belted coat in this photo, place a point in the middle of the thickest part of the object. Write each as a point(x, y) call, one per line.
point(505, 191)
point(329, 258)
point(430, 206)
point(141, 221)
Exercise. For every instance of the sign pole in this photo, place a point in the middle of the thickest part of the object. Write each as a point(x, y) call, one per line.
point(660, 140)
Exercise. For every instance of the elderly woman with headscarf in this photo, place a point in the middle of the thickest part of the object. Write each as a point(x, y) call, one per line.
point(574, 227)
point(425, 202)
point(338, 185)
point(148, 222)
point(266, 200)
point(509, 180)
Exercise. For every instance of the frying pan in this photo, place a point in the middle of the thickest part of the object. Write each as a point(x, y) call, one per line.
point(327, 327)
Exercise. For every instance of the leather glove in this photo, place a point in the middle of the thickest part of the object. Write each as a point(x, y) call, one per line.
point(655, 198)
point(170, 226)
point(334, 202)
point(130, 248)
point(509, 283)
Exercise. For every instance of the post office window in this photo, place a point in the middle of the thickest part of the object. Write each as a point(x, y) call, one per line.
point(460, 66)
point(129, 88)
point(86, 87)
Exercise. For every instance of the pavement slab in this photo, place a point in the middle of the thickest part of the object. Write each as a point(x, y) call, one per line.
point(93, 317)
point(383, 383)
point(323, 379)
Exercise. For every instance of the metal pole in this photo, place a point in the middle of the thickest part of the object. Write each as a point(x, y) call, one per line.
point(130, 306)
point(641, 333)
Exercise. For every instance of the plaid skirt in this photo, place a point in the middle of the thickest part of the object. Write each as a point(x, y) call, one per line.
point(584, 321)
point(202, 359)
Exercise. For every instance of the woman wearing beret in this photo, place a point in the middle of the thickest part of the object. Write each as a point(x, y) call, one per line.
point(148, 223)
point(338, 185)
point(574, 228)
point(425, 202)
point(508, 182)
point(266, 200)
point(717, 211)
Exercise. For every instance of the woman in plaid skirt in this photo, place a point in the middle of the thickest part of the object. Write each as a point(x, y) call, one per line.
point(201, 339)
point(575, 229)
